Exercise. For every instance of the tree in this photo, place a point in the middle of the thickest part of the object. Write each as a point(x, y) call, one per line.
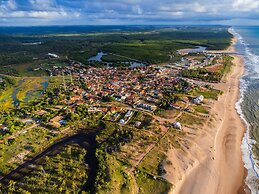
point(11, 186)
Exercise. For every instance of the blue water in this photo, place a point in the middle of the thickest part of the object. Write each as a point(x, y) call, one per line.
point(16, 102)
point(32, 94)
point(248, 46)
point(98, 57)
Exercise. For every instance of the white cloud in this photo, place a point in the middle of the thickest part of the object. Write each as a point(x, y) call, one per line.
point(199, 8)
point(129, 11)
point(11, 4)
point(136, 9)
point(40, 14)
point(42, 4)
point(8, 5)
point(246, 5)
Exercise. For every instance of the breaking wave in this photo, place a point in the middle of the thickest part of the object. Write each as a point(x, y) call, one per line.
point(252, 69)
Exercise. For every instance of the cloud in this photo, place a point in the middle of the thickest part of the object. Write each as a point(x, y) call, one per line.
point(246, 5)
point(8, 5)
point(128, 11)
point(43, 4)
point(11, 4)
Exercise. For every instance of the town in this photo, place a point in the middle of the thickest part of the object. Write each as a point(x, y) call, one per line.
point(157, 99)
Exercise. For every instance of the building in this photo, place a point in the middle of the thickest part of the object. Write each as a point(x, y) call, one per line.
point(177, 125)
point(122, 122)
point(3, 128)
point(129, 113)
point(55, 122)
point(138, 123)
point(51, 55)
point(198, 99)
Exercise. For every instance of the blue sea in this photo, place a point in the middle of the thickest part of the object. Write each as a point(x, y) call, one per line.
point(248, 105)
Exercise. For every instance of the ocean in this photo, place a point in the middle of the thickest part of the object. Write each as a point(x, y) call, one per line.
point(248, 105)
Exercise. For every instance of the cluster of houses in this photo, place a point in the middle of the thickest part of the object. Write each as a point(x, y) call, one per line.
point(141, 87)
point(127, 117)
point(192, 63)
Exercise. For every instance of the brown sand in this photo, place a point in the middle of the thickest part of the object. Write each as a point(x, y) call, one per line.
point(210, 161)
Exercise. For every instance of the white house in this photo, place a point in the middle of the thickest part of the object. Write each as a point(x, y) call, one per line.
point(122, 122)
point(177, 125)
point(198, 99)
point(52, 55)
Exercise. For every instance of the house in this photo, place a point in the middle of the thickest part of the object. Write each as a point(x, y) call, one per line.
point(177, 125)
point(129, 113)
point(40, 112)
point(138, 123)
point(122, 122)
point(56, 121)
point(62, 122)
point(51, 55)
point(75, 98)
point(188, 110)
point(175, 106)
point(145, 106)
point(27, 121)
point(3, 128)
point(198, 99)
point(115, 109)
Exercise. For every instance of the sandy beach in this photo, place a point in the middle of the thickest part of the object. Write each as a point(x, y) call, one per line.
point(210, 160)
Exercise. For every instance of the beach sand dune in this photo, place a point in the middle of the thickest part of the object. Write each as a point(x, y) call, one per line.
point(210, 161)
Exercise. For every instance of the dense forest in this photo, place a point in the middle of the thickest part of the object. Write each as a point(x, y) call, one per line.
point(146, 44)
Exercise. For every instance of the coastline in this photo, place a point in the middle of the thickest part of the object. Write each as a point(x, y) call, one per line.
point(214, 157)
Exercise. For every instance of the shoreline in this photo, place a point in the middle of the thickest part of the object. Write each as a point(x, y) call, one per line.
point(250, 162)
point(215, 157)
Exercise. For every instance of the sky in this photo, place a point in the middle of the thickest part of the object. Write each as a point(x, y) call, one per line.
point(128, 12)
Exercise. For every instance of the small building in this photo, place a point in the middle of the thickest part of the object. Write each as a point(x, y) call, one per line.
point(27, 121)
point(62, 122)
point(129, 113)
point(198, 99)
point(56, 121)
point(40, 112)
point(51, 55)
point(175, 106)
point(122, 122)
point(188, 110)
point(3, 128)
point(177, 125)
point(138, 123)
